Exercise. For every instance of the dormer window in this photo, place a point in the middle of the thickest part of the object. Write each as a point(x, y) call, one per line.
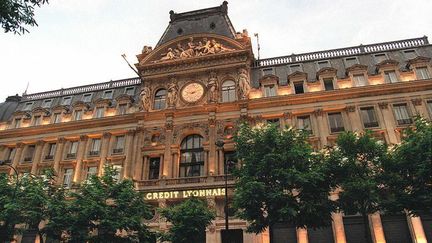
point(359, 80)
point(269, 90)
point(350, 61)
point(409, 54)
point(37, 120)
point(380, 57)
point(78, 115)
point(390, 77)
point(267, 71)
point(66, 100)
point(122, 108)
point(28, 106)
point(322, 64)
point(87, 97)
point(299, 88)
point(57, 118)
point(328, 84)
point(422, 73)
point(108, 94)
point(47, 103)
point(100, 112)
point(129, 90)
point(17, 123)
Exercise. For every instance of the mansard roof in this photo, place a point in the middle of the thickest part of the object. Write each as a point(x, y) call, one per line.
point(209, 20)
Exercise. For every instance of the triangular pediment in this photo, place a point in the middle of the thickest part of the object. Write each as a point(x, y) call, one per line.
point(269, 78)
point(297, 74)
point(326, 70)
point(357, 67)
point(388, 62)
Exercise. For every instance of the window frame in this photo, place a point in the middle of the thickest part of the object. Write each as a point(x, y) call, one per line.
point(359, 75)
point(99, 112)
point(84, 97)
point(366, 124)
point(404, 52)
point(154, 168)
point(129, 88)
point(189, 168)
point(104, 95)
point(45, 102)
point(270, 90)
point(336, 129)
point(332, 80)
point(159, 100)
point(348, 59)
point(428, 76)
point(69, 98)
point(300, 117)
point(406, 121)
point(228, 92)
point(28, 106)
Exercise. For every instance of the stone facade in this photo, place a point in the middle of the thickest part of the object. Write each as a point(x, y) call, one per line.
point(199, 86)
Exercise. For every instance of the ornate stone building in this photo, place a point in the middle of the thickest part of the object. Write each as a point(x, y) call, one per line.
point(194, 87)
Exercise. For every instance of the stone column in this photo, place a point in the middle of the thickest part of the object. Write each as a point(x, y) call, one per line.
point(17, 157)
point(416, 228)
point(337, 221)
point(212, 167)
point(323, 131)
point(59, 154)
point(82, 147)
point(220, 163)
point(388, 121)
point(175, 164)
point(354, 118)
point(37, 156)
point(129, 154)
point(302, 236)
point(420, 108)
point(106, 136)
point(162, 167)
point(377, 231)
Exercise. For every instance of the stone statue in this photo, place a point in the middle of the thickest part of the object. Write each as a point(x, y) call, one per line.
point(146, 49)
point(244, 84)
point(145, 98)
point(212, 87)
point(172, 93)
point(169, 55)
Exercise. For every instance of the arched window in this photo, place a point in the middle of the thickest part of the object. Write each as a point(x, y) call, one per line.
point(192, 156)
point(159, 99)
point(228, 91)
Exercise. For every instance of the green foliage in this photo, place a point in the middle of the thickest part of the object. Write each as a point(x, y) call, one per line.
point(409, 177)
point(103, 207)
point(190, 219)
point(15, 14)
point(281, 180)
point(8, 209)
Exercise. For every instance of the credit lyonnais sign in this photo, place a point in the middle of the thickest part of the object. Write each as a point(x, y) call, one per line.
point(185, 194)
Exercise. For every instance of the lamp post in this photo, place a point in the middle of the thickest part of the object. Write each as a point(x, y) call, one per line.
point(6, 222)
point(220, 145)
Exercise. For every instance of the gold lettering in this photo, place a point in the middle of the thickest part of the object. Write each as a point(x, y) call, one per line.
point(155, 195)
point(202, 193)
point(148, 196)
point(175, 194)
point(167, 195)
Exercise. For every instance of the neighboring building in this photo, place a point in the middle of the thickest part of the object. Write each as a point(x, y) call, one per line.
point(198, 82)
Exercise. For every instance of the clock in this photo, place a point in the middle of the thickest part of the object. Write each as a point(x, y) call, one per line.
point(192, 92)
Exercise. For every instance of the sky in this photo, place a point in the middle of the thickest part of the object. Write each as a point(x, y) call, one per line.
point(80, 42)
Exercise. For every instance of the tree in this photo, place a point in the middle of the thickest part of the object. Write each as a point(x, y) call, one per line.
point(15, 14)
point(281, 180)
point(355, 164)
point(409, 177)
point(8, 208)
point(107, 210)
point(190, 219)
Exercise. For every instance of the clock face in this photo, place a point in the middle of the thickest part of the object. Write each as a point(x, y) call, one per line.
point(192, 92)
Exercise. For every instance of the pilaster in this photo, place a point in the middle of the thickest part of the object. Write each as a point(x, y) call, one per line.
point(59, 153)
point(389, 122)
point(80, 155)
point(106, 137)
point(37, 156)
point(129, 153)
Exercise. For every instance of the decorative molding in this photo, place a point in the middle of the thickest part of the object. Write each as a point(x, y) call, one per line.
point(287, 115)
point(83, 137)
point(319, 112)
point(40, 142)
point(416, 101)
point(350, 108)
point(383, 105)
point(106, 134)
point(61, 139)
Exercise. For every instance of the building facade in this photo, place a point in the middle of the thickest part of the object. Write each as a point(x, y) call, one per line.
point(198, 82)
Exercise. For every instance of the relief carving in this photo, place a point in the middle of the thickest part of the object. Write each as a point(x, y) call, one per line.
point(212, 87)
point(244, 83)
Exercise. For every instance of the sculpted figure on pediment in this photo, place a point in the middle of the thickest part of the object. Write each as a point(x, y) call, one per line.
point(244, 83)
point(145, 98)
point(212, 87)
point(172, 93)
point(169, 55)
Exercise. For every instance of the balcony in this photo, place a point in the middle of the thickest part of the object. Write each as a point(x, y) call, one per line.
point(337, 129)
point(71, 156)
point(94, 153)
point(28, 159)
point(218, 180)
point(402, 122)
point(117, 151)
point(371, 124)
point(49, 157)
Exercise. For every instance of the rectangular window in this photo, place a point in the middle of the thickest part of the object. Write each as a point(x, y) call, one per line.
point(37, 120)
point(230, 160)
point(328, 84)
point(29, 153)
point(129, 90)
point(28, 106)
point(47, 103)
point(78, 115)
point(95, 146)
point(17, 123)
point(422, 73)
point(154, 168)
point(350, 61)
point(304, 123)
point(269, 90)
point(380, 57)
point(118, 170)
point(67, 177)
point(359, 80)
point(119, 145)
point(267, 71)
point(10, 155)
point(336, 122)
point(100, 112)
point(57, 118)
point(298, 88)
point(402, 114)
point(122, 108)
point(390, 77)
point(66, 100)
point(51, 151)
point(72, 150)
point(91, 171)
point(87, 97)
point(108, 94)
point(228, 91)
point(369, 117)
point(322, 64)
point(410, 54)
point(295, 68)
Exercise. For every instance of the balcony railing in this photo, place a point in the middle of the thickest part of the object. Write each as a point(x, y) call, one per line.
point(118, 151)
point(83, 89)
point(28, 159)
point(402, 122)
point(94, 153)
point(370, 124)
point(184, 180)
point(337, 129)
point(49, 157)
point(71, 156)
point(349, 51)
